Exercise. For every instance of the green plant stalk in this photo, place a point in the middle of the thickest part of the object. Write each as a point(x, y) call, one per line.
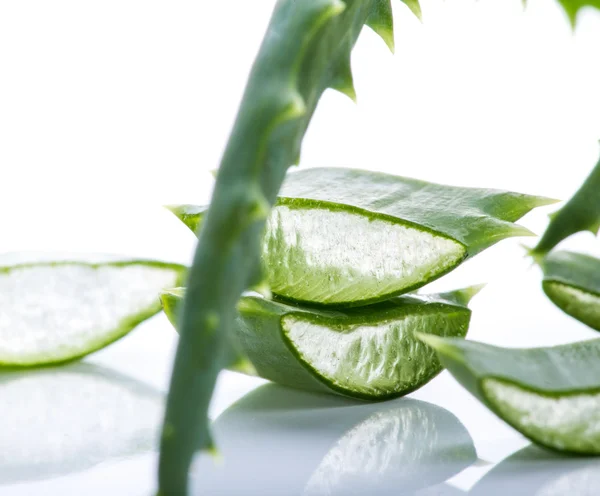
point(306, 49)
point(580, 213)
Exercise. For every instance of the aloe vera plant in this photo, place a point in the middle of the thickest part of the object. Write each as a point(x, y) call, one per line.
point(54, 312)
point(572, 282)
point(306, 50)
point(367, 352)
point(550, 395)
point(349, 237)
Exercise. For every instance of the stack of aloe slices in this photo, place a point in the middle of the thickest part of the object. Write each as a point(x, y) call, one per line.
point(340, 247)
point(551, 395)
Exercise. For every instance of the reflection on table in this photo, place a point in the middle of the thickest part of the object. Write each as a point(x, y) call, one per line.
point(278, 441)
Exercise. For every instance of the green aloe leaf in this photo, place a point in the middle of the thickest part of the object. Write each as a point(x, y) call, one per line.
point(349, 237)
point(53, 312)
point(572, 282)
point(550, 395)
point(367, 352)
point(580, 213)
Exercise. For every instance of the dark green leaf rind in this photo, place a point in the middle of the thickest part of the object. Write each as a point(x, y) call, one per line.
point(304, 45)
point(580, 213)
point(553, 376)
point(572, 282)
point(71, 287)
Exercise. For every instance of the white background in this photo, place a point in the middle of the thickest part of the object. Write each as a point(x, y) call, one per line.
point(110, 109)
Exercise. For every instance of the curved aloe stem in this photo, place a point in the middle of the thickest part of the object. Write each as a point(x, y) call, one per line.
point(306, 49)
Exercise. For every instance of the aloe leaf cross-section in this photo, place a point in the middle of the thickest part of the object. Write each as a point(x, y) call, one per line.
point(572, 282)
point(367, 352)
point(54, 312)
point(551, 395)
point(350, 237)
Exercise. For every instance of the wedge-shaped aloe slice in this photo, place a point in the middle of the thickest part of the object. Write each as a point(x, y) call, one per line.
point(551, 395)
point(368, 352)
point(349, 237)
point(52, 312)
point(572, 282)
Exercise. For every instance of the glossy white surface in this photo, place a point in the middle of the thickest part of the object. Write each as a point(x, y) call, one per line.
point(110, 109)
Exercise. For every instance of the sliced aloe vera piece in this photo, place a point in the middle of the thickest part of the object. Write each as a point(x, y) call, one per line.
point(54, 312)
point(367, 352)
point(350, 237)
point(550, 395)
point(57, 421)
point(572, 282)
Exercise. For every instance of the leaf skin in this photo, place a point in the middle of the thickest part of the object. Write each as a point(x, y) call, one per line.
point(234, 360)
point(580, 213)
point(572, 7)
point(568, 274)
point(263, 334)
point(472, 218)
point(304, 44)
point(70, 281)
point(561, 373)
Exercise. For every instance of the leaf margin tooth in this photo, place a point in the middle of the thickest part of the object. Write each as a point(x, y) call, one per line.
point(381, 21)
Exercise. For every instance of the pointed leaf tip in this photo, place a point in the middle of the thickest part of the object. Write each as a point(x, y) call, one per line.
point(415, 8)
point(343, 80)
point(381, 21)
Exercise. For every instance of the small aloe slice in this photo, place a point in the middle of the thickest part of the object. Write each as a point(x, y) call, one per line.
point(550, 395)
point(349, 237)
point(572, 282)
point(53, 312)
point(368, 352)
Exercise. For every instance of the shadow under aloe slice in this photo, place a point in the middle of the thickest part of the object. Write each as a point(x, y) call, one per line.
point(551, 395)
point(368, 352)
point(572, 282)
point(349, 237)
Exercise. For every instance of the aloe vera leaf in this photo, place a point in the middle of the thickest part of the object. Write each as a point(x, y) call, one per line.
point(308, 444)
point(54, 312)
point(367, 352)
point(235, 359)
point(56, 421)
point(550, 395)
point(572, 282)
point(349, 237)
point(580, 213)
point(306, 43)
